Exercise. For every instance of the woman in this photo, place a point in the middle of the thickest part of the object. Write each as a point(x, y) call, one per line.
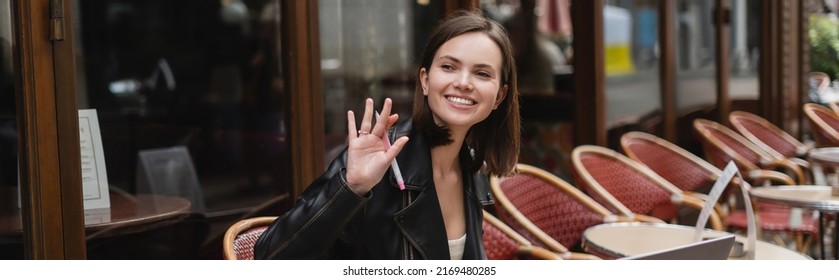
point(465, 117)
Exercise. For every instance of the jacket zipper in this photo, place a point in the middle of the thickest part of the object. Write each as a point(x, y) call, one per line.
point(406, 246)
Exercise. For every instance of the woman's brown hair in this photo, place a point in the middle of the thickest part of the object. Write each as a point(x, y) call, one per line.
point(496, 139)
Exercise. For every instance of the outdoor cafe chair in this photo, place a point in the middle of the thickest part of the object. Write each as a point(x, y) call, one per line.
point(547, 210)
point(628, 187)
point(824, 124)
point(722, 144)
point(771, 138)
point(691, 173)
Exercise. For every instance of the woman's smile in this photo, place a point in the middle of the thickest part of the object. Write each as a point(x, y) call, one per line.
point(460, 101)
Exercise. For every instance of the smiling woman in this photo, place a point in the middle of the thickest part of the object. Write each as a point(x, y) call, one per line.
point(465, 117)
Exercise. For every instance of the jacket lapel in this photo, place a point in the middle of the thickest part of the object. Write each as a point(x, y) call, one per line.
point(422, 224)
point(474, 216)
point(421, 221)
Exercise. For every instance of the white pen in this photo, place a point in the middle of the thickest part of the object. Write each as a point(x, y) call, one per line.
point(393, 164)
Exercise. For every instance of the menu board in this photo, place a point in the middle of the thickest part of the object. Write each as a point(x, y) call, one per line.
point(94, 175)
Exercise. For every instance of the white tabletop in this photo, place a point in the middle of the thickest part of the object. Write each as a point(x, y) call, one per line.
point(811, 197)
point(628, 239)
point(827, 156)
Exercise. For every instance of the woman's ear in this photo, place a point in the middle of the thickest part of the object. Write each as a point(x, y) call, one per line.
point(502, 93)
point(423, 77)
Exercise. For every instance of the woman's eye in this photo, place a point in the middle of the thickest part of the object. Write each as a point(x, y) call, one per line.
point(484, 75)
point(446, 67)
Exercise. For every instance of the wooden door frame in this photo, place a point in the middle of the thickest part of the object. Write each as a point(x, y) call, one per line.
point(301, 70)
point(667, 66)
point(589, 73)
point(783, 59)
point(48, 133)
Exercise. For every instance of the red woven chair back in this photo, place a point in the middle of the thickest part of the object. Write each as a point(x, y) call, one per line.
point(683, 169)
point(626, 182)
point(824, 125)
point(503, 243)
point(550, 207)
point(243, 245)
point(765, 134)
point(498, 245)
point(721, 145)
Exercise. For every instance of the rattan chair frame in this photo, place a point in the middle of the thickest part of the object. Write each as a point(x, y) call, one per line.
point(229, 242)
point(708, 169)
point(710, 172)
point(768, 162)
point(713, 172)
point(830, 134)
point(834, 106)
point(738, 119)
point(526, 248)
point(552, 244)
point(678, 197)
point(627, 139)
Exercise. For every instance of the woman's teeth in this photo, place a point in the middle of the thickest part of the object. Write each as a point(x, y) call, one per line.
point(460, 101)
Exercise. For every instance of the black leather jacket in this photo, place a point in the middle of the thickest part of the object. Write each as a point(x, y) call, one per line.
point(329, 221)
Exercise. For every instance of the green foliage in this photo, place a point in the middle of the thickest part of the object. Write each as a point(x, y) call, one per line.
point(824, 45)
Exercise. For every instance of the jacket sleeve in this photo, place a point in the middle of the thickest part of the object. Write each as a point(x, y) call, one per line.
point(320, 219)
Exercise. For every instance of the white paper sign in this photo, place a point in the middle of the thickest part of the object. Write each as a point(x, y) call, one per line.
point(719, 186)
point(94, 175)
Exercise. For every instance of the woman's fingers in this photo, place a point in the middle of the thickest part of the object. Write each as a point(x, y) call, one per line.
point(382, 126)
point(366, 121)
point(392, 120)
point(352, 133)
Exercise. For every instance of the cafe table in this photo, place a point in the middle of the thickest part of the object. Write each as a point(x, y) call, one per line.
point(127, 214)
point(618, 240)
point(824, 162)
point(824, 157)
point(816, 198)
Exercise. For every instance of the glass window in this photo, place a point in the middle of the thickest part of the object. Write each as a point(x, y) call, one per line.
point(541, 34)
point(633, 94)
point(369, 49)
point(744, 54)
point(695, 64)
point(191, 103)
point(11, 246)
point(696, 93)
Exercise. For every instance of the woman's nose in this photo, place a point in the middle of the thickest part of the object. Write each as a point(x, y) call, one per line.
point(463, 83)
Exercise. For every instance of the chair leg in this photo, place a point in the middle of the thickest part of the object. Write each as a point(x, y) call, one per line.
point(803, 242)
point(808, 243)
point(779, 240)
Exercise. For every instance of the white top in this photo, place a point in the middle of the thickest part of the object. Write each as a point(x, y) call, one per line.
point(456, 247)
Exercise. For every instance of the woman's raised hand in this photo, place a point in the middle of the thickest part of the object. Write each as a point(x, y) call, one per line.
point(367, 156)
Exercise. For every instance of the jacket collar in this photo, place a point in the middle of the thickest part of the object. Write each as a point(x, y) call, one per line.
point(430, 238)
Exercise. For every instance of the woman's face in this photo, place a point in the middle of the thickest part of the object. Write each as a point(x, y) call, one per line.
point(463, 84)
